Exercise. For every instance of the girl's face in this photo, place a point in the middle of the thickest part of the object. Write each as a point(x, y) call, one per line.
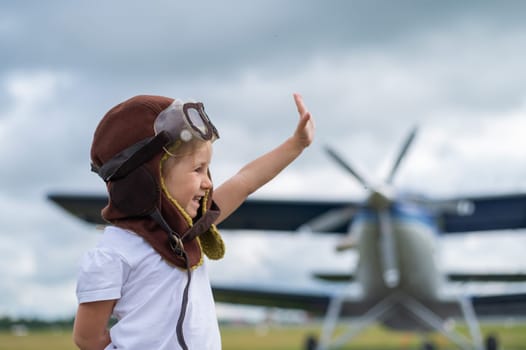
point(186, 177)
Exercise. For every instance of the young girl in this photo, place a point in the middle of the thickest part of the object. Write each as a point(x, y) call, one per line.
point(148, 269)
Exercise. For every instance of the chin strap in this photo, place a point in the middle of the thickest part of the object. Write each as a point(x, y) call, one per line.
point(131, 158)
point(184, 304)
point(177, 245)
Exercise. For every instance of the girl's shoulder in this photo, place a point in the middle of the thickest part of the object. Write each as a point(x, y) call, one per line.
point(129, 246)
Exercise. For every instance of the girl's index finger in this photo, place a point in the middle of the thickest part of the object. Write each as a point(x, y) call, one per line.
point(299, 104)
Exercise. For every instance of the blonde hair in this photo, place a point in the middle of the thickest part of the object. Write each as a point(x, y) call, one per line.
point(183, 148)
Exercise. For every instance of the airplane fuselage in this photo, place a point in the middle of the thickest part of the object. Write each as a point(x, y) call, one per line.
point(415, 242)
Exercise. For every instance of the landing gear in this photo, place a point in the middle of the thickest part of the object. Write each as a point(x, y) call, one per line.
point(428, 345)
point(311, 342)
point(492, 342)
point(413, 306)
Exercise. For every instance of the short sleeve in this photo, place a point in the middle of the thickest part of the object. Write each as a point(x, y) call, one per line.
point(101, 275)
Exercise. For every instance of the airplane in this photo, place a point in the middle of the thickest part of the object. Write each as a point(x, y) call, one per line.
point(403, 284)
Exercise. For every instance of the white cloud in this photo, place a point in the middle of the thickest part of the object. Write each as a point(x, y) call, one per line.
point(368, 77)
point(28, 88)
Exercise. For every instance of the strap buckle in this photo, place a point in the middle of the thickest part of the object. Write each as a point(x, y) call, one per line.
point(176, 244)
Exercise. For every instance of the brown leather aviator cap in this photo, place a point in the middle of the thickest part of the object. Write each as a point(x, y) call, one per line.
point(127, 154)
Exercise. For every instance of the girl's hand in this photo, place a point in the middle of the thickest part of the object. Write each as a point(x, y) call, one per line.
point(304, 133)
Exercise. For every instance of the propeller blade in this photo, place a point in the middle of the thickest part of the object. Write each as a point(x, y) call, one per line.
point(401, 155)
point(329, 220)
point(391, 273)
point(347, 167)
point(346, 243)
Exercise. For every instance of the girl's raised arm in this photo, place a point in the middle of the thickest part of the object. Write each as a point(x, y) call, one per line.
point(233, 192)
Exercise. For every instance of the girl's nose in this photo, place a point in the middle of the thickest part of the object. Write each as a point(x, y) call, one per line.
point(207, 183)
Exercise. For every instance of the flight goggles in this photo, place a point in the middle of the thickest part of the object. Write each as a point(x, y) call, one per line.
point(179, 121)
point(184, 121)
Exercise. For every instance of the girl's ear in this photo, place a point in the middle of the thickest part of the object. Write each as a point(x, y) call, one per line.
point(136, 194)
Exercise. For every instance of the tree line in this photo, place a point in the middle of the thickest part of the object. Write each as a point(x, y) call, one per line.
point(8, 323)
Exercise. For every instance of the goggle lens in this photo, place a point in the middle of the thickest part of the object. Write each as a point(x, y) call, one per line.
point(196, 121)
point(184, 121)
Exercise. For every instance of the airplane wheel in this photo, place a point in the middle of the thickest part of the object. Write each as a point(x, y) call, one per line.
point(311, 343)
point(428, 346)
point(491, 342)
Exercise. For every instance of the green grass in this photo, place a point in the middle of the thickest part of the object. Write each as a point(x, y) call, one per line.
point(45, 340)
point(512, 337)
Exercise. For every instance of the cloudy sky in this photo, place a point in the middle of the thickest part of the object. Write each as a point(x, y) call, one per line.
point(368, 70)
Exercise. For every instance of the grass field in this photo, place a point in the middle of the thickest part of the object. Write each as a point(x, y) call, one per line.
point(512, 337)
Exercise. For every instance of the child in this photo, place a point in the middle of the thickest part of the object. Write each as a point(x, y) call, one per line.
point(148, 269)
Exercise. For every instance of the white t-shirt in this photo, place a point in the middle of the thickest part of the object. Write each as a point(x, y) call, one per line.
point(124, 266)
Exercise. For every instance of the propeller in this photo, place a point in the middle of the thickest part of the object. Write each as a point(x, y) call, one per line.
point(401, 154)
point(334, 155)
point(329, 220)
point(391, 274)
point(380, 200)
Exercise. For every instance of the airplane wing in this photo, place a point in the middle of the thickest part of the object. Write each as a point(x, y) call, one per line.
point(316, 302)
point(489, 213)
point(452, 276)
point(291, 215)
point(486, 277)
point(334, 276)
point(500, 212)
point(253, 214)
point(499, 305)
point(85, 207)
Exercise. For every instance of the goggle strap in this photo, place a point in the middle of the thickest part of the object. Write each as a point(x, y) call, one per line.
point(132, 157)
point(215, 134)
point(203, 224)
